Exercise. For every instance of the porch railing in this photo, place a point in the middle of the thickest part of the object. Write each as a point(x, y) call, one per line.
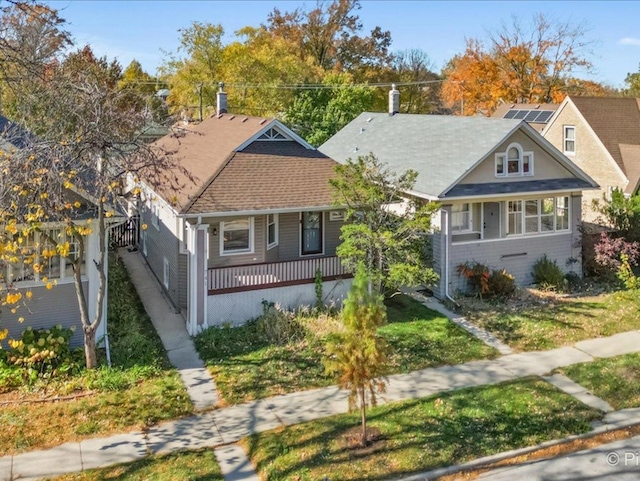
point(273, 274)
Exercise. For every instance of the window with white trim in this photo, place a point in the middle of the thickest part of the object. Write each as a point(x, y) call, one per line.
point(514, 162)
point(272, 230)
point(569, 139)
point(236, 236)
point(43, 256)
point(165, 273)
point(515, 217)
point(461, 218)
point(539, 216)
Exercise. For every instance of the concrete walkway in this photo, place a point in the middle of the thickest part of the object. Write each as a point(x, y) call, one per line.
point(485, 336)
point(228, 425)
point(172, 331)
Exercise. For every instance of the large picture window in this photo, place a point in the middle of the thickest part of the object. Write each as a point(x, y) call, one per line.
point(539, 216)
point(236, 236)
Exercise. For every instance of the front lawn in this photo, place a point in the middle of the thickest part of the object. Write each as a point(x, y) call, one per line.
point(103, 401)
point(247, 366)
point(420, 435)
point(541, 321)
point(183, 466)
point(616, 380)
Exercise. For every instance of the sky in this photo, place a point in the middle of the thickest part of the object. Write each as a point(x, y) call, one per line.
point(142, 30)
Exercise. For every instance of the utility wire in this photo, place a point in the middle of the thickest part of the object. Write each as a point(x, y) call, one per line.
point(316, 86)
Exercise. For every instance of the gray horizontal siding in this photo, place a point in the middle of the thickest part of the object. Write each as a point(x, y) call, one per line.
point(517, 256)
point(47, 308)
point(259, 247)
point(163, 243)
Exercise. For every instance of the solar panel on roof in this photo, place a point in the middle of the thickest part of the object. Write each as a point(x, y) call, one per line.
point(531, 115)
point(545, 115)
point(520, 114)
point(510, 114)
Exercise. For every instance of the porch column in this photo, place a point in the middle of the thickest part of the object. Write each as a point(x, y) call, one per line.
point(198, 246)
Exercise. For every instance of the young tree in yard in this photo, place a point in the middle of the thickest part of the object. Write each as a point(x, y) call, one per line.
point(68, 170)
point(384, 228)
point(358, 355)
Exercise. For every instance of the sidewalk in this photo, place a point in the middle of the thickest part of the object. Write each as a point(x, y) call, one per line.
point(228, 425)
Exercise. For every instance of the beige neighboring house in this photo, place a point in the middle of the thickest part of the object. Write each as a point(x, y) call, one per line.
point(601, 135)
point(508, 196)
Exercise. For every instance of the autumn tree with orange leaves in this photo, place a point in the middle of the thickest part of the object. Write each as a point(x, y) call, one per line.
point(518, 63)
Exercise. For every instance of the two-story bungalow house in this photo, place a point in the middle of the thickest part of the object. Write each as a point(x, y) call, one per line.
point(508, 196)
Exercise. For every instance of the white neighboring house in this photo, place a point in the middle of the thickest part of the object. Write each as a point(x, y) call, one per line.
point(508, 196)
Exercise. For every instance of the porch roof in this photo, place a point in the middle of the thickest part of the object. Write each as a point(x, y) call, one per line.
point(269, 176)
point(526, 187)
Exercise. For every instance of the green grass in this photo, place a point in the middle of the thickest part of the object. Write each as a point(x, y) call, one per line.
point(183, 466)
point(421, 435)
point(140, 372)
point(616, 380)
point(549, 322)
point(246, 366)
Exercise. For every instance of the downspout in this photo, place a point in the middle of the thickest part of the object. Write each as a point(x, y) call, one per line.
point(446, 258)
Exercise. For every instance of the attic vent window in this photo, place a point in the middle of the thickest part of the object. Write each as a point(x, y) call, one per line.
point(272, 134)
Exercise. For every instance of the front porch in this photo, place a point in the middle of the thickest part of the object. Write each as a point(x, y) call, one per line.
point(266, 275)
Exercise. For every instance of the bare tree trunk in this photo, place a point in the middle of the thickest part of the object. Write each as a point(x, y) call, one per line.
point(363, 412)
point(88, 330)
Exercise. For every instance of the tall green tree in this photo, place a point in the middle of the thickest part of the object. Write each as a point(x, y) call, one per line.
point(330, 35)
point(68, 171)
point(255, 65)
point(193, 71)
point(32, 38)
point(385, 227)
point(632, 81)
point(358, 355)
point(143, 88)
point(318, 113)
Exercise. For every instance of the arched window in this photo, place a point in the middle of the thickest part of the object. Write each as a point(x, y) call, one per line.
point(514, 162)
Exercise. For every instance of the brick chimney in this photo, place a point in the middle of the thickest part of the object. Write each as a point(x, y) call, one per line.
point(394, 100)
point(221, 98)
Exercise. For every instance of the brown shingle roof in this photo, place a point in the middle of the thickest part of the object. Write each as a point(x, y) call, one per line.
point(631, 160)
point(615, 120)
point(269, 175)
point(202, 151)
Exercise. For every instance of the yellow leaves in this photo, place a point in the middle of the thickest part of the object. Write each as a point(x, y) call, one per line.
point(77, 204)
point(49, 285)
point(63, 249)
point(3, 334)
point(28, 294)
point(136, 191)
point(44, 195)
point(12, 298)
point(144, 226)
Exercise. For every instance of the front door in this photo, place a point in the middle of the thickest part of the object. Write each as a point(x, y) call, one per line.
point(491, 220)
point(311, 233)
